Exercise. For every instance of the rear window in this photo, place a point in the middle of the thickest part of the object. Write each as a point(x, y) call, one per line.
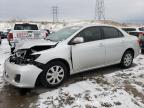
point(129, 29)
point(134, 33)
point(141, 29)
point(25, 27)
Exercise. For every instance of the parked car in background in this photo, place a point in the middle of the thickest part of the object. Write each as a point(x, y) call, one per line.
point(8, 30)
point(69, 51)
point(0, 39)
point(137, 31)
point(141, 40)
point(4, 34)
point(24, 32)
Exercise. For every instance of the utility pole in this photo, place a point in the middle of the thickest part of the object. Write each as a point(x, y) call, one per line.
point(55, 14)
point(99, 10)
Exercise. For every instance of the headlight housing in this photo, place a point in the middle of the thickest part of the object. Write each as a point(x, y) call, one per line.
point(24, 57)
point(32, 57)
point(21, 53)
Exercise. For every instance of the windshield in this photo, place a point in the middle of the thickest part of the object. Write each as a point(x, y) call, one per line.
point(63, 33)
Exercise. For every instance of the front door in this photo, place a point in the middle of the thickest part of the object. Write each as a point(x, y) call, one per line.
point(91, 53)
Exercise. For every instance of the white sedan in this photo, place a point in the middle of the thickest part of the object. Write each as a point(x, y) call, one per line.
point(69, 51)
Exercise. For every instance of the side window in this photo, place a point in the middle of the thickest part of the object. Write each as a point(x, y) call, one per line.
point(120, 34)
point(90, 34)
point(111, 32)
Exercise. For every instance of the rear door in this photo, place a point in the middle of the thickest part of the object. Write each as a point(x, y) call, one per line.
point(91, 53)
point(114, 43)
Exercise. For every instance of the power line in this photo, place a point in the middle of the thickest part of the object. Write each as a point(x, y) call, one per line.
point(55, 14)
point(99, 10)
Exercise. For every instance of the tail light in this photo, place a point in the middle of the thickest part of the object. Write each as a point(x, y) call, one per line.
point(10, 36)
point(139, 41)
point(141, 34)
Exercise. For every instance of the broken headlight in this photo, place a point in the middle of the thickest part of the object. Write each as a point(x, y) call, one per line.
point(31, 58)
point(24, 57)
point(21, 53)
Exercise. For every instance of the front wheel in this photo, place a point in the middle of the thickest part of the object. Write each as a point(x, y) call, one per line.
point(127, 59)
point(54, 74)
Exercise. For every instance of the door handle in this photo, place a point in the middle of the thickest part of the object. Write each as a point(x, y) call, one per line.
point(101, 45)
point(122, 41)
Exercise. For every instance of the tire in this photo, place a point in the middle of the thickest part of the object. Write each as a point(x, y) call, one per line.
point(54, 74)
point(142, 51)
point(127, 59)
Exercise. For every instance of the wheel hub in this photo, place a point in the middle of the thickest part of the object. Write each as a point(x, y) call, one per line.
point(55, 75)
point(128, 59)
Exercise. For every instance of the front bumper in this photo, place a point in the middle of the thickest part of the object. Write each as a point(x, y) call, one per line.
point(27, 74)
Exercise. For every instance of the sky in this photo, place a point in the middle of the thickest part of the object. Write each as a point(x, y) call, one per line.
point(118, 10)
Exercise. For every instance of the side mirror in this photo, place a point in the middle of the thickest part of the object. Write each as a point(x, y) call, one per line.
point(78, 40)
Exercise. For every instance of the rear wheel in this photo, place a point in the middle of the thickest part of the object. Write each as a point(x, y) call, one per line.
point(127, 59)
point(54, 74)
point(142, 51)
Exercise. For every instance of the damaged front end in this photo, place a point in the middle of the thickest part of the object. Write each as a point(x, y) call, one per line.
point(23, 57)
point(28, 56)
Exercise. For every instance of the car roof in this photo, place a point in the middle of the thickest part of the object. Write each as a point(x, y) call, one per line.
point(90, 25)
point(131, 27)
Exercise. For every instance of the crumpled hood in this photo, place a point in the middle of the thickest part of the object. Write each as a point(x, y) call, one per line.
point(31, 43)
